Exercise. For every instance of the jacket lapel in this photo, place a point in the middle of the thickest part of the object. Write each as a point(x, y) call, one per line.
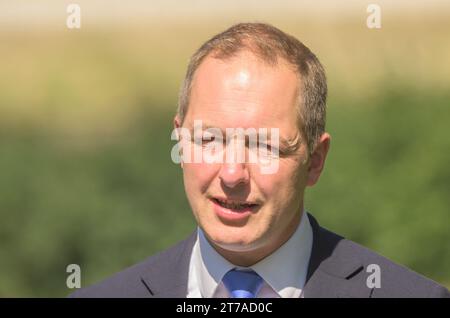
point(167, 275)
point(333, 270)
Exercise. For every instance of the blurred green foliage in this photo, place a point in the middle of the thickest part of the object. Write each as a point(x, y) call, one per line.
point(107, 207)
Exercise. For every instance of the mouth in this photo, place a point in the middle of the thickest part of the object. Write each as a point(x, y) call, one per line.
point(234, 205)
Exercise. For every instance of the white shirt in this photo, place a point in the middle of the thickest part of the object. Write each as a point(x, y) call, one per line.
point(284, 271)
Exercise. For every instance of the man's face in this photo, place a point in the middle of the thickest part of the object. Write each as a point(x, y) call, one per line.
point(244, 92)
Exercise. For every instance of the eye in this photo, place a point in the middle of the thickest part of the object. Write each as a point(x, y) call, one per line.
point(265, 147)
point(205, 140)
point(269, 150)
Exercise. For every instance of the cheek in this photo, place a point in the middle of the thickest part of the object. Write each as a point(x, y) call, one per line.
point(287, 182)
point(198, 176)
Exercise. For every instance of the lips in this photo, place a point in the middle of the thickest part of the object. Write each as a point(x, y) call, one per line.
point(233, 205)
point(233, 212)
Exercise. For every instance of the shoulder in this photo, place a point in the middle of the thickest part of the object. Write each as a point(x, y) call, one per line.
point(395, 280)
point(352, 261)
point(136, 281)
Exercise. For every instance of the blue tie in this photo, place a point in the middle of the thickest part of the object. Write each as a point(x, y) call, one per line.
point(242, 284)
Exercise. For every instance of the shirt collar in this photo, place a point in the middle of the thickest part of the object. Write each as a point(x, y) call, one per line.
point(284, 270)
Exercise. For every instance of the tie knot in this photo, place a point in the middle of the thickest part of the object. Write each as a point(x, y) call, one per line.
point(242, 284)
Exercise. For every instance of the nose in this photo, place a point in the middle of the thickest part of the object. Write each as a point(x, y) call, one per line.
point(233, 174)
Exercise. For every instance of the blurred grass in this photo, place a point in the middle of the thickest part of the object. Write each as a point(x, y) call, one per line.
point(85, 123)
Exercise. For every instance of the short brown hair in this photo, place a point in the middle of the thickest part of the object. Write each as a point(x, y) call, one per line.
point(269, 43)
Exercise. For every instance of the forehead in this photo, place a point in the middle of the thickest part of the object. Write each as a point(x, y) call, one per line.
point(244, 91)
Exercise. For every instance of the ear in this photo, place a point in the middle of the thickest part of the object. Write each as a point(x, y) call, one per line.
point(317, 159)
point(177, 124)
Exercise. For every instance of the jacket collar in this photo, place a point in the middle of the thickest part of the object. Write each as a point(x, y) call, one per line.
point(332, 264)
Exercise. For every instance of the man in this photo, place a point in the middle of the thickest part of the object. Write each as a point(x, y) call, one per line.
point(254, 238)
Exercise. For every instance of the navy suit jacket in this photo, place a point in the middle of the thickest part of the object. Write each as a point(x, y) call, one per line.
point(337, 268)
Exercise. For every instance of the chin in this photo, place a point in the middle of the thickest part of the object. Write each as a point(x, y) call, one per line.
point(236, 241)
point(236, 246)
